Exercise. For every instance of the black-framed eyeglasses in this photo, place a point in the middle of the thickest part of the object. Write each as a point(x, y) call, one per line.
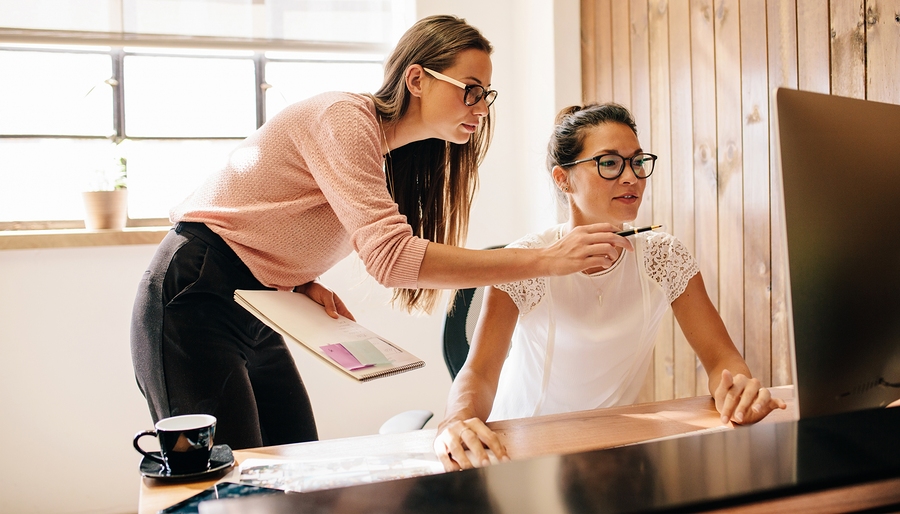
point(610, 166)
point(474, 92)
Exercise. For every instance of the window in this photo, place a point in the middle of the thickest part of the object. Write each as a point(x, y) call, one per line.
point(173, 105)
point(290, 78)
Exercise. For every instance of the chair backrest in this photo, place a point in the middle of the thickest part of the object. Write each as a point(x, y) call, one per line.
point(459, 325)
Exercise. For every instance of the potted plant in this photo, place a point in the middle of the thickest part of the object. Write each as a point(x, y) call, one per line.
point(106, 200)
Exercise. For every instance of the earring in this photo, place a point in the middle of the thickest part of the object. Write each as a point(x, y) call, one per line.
point(566, 188)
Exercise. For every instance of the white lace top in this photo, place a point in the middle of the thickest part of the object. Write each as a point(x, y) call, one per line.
point(586, 341)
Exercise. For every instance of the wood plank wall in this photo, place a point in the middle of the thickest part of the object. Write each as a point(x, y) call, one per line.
point(697, 75)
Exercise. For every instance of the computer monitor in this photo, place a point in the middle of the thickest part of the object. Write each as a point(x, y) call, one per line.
point(840, 170)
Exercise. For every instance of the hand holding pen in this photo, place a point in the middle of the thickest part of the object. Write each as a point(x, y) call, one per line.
point(588, 247)
point(633, 231)
point(630, 232)
point(625, 233)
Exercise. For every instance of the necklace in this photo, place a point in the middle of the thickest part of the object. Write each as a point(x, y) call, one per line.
point(388, 171)
point(595, 276)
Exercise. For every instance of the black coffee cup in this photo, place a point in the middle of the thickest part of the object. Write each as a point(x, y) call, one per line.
point(185, 443)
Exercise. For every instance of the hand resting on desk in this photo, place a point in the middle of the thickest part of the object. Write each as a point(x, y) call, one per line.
point(468, 444)
point(743, 400)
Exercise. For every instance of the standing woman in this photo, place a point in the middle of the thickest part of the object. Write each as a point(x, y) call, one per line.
point(390, 176)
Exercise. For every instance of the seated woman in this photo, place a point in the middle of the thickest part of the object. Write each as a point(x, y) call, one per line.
point(585, 340)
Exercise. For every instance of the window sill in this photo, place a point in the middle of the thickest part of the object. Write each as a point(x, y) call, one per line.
point(70, 238)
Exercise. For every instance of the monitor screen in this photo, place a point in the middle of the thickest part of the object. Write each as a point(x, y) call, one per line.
point(840, 169)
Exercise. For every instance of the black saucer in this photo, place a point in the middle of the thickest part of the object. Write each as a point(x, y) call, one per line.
point(220, 458)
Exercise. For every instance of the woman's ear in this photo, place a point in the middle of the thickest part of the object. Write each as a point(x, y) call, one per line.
point(561, 178)
point(414, 79)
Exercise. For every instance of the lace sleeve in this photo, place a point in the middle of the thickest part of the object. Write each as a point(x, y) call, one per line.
point(526, 294)
point(669, 263)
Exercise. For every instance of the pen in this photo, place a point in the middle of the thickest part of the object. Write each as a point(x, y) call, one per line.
point(632, 231)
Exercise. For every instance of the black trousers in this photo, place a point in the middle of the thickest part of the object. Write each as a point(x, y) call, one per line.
point(196, 351)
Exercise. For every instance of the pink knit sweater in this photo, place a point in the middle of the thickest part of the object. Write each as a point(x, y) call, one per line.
point(302, 191)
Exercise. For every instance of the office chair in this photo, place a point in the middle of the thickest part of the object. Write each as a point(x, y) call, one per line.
point(459, 325)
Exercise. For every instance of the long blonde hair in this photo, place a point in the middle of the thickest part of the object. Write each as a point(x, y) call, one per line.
point(433, 181)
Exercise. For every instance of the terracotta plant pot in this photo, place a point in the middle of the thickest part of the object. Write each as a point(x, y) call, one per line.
point(105, 209)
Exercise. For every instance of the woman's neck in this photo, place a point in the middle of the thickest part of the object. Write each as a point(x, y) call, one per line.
point(408, 129)
point(577, 221)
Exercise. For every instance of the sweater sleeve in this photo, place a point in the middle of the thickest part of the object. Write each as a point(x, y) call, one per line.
point(343, 154)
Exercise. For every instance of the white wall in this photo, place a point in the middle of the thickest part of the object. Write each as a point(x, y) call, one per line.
point(69, 402)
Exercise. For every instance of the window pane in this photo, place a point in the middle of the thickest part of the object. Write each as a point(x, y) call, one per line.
point(42, 179)
point(295, 81)
point(55, 94)
point(351, 20)
point(163, 173)
point(189, 97)
point(191, 17)
point(90, 15)
point(361, 21)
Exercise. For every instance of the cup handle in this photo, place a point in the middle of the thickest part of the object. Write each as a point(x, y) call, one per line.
point(141, 450)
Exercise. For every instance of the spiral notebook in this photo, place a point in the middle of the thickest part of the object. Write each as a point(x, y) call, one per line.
point(343, 343)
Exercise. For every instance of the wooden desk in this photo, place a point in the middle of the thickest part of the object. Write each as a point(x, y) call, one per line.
point(524, 438)
point(605, 428)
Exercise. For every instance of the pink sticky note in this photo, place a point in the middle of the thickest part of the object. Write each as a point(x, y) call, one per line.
point(339, 354)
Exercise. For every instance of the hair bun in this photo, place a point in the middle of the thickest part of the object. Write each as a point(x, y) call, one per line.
point(566, 112)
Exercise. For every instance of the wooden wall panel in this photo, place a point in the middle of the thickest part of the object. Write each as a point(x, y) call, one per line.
point(596, 53)
point(883, 50)
point(848, 48)
point(785, 54)
point(703, 106)
point(813, 55)
point(603, 22)
point(660, 128)
point(590, 61)
point(685, 362)
point(757, 309)
point(621, 50)
point(698, 76)
point(729, 162)
point(640, 88)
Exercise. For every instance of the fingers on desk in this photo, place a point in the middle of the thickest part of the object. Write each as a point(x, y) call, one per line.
point(745, 401)
point(468, 444)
